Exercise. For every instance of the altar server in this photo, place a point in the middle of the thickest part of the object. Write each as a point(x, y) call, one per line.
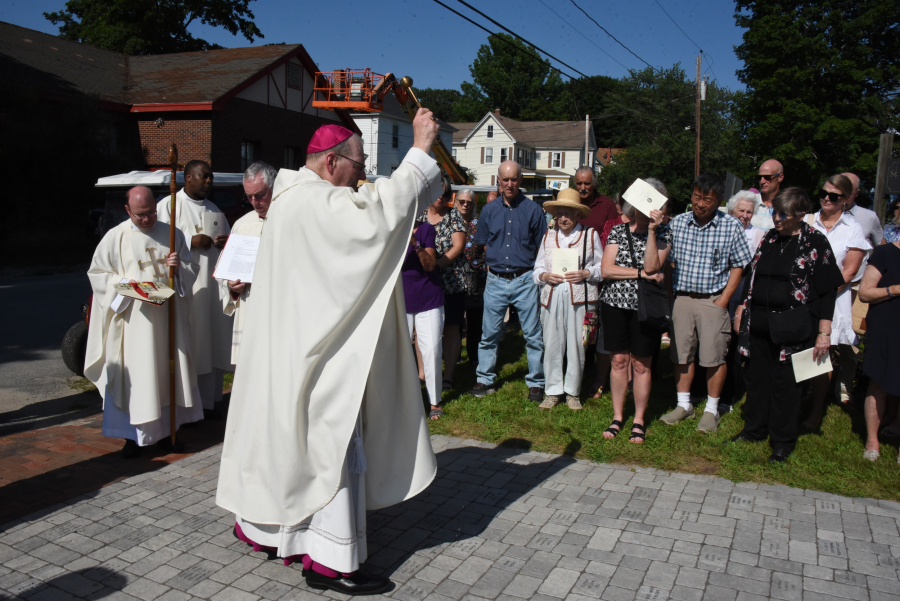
point(258, 181)
point(128, 350)
point(210, 327)
point(326, 417)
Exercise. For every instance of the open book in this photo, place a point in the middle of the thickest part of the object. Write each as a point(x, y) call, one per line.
point(154, 293)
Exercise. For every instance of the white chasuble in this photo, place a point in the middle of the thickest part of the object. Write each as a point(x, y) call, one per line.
point(210, 327)
point(249, 225)
point(128, 353)
point(326, 330)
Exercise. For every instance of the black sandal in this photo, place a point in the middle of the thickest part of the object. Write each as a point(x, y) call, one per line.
point(614, 431)
point(637, 435)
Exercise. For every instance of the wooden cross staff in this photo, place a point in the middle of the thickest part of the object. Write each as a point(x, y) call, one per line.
point(173, 189)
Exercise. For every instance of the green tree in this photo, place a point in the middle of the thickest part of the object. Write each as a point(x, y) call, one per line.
point(596, 96)
point(655, 111)
point(822, 79)
point(520, 84)
point(151, 26)
point(440, 101)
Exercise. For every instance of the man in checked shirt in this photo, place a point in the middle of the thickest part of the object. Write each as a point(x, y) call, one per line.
point(709, 252)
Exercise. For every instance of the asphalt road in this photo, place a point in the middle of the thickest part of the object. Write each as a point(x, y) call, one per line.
point(35, 385)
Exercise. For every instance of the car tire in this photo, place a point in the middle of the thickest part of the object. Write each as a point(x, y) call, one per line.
point(74, 347)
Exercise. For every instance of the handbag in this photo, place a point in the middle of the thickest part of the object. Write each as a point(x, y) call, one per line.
point(591, 323)
point(791, 327)
point(652, 299)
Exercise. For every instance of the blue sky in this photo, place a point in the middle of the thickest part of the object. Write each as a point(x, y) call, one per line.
point(422, 39)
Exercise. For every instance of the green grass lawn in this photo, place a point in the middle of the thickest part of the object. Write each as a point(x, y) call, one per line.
point(830, 461)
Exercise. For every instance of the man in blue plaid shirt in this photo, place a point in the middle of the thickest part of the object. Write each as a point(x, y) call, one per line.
point(709, 252)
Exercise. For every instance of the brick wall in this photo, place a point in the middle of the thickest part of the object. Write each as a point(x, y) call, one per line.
point(272, 129)
point(190, 131)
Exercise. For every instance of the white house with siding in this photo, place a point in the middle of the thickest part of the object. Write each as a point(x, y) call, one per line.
point(549, 151)
point(388, 136)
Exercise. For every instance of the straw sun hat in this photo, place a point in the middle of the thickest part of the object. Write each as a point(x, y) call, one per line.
point(570, 199)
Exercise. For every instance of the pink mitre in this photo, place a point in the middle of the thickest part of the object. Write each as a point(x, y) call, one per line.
point(327, 136)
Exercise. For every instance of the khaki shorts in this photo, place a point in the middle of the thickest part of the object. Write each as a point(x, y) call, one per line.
point(698, 322)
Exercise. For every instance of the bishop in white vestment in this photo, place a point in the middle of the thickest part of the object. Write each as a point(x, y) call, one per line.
point(258, 181)
point(326, 418)
point(210, 327)
point(128, 350)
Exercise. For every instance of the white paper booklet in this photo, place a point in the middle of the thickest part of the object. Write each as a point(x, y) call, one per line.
point(644, 197)
point(213, 224)
point(238, 258)
point(805, 367)
point(563, 260)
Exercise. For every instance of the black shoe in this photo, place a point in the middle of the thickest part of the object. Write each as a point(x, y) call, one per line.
point(355, 584)
point(725, 408)
point(536, 394)
point(130, 450)
point(779, 456)
point(481, 390)
point(742, 437)
point(165, 444)
point(212, 414)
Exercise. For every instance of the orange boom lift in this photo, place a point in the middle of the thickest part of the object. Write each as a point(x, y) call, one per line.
point(363, 91)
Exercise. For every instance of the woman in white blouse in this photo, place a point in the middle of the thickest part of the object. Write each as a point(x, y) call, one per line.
point(563, 297)
point(850, 248)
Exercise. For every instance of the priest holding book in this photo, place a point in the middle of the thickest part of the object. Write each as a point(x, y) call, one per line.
point(128, 350)
point(205, 229)
point(326, 418)
point(258, 181)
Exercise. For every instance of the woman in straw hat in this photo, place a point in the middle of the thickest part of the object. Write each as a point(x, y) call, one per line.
point(564, 296)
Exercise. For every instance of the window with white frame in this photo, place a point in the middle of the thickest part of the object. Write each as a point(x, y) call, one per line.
point(453, 152)
point(503, 152)
point(520, 155)
point(488, 156)
point(537, 156)
point(557, 159)
point(490, 132)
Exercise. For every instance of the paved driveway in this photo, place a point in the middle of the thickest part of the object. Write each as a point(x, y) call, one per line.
point(497, 523)
point(35, 314)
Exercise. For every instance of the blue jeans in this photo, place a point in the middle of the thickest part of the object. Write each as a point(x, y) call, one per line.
point(499, 294)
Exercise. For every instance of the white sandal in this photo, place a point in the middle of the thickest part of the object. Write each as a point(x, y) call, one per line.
point(874, 455)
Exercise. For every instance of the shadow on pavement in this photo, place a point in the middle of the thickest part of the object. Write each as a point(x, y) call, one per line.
point(51, 412)
point(94, 583)
point(462, 513)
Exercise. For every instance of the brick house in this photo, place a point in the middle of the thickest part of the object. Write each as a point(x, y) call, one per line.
point(227, 107)
point(549, 151)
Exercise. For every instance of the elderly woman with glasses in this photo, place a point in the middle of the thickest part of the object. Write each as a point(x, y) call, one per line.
point(450, 241)
point(787, 307)
point(475, 272)
point(850, 250)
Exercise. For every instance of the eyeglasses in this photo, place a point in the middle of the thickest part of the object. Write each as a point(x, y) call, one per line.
point(781, 215)
point(832, 197)
point(769, 178)
point(360, 166)
point(464, 201)
point(146, 215)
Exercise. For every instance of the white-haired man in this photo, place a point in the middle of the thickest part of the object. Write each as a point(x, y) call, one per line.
point(258, 181)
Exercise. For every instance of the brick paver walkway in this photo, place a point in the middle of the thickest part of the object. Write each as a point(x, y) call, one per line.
point(39, 468)
point(497, 523)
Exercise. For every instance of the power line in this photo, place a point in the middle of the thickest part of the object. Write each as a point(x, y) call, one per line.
point(678, 26)
point(514, 34)
point(582, 35)
point(501, 38)
point(613, 37)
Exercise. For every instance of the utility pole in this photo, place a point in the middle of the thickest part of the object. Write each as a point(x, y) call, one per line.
point(885, 150)
point(587, 129)
point(697, 114)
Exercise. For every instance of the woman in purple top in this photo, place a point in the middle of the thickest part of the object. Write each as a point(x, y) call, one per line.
point(425, 307)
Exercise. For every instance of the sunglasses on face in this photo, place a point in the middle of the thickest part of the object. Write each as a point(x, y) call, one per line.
point(832, 197)
point(780, 215)
point(768, 178)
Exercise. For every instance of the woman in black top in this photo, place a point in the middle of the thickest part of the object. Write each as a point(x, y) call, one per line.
point(787, 308)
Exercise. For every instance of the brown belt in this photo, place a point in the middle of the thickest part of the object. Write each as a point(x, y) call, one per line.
point(697, 295)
